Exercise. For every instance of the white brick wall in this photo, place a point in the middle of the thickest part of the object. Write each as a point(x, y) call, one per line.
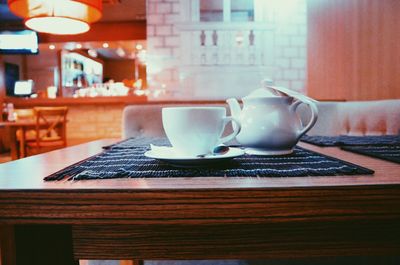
point(291, 74)
point(290, 52)
point(171, 18)
point(156, 42)
point(163, 52)
point(164, 30)
point(286, 61)
point(297, 63)
point(283, 63)
point(155, 19)
point(164, 8)
point(176, 8)
point(100, 122)
point(172, 41)
point(282, 41)
point(298, 41)
point(291, 35)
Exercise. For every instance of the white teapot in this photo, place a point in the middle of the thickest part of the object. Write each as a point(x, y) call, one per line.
point(270, 124)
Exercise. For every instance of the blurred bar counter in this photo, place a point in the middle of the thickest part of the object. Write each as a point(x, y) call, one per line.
point(94, 118)
point(32, 102)
point(89, 118)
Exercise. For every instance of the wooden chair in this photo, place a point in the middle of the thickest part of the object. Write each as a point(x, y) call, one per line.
point(24, 133)
point(50, 130)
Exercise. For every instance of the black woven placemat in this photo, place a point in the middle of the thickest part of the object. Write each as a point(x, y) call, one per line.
point(346, 140)
point(126, 160)
point(385, 152)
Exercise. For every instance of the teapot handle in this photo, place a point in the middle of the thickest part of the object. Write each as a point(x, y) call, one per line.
point(314, 114)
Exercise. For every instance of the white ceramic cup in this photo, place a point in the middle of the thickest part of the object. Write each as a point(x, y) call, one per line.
point(196, 131)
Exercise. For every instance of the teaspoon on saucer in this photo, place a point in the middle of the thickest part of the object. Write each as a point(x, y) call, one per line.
point(219, 150)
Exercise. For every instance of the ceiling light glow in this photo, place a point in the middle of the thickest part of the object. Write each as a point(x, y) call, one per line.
point(57, 25)
point(92, 53)
point(120, 52)
point(57, 17)
point(139, 46)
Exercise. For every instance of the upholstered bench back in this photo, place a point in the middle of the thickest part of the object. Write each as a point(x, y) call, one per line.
point(335, 118)
point(370, 117)
point(378, 117)
point(145, 120)
point(140, 120)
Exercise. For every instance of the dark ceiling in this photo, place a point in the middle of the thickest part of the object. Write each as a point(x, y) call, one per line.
point(5, 14)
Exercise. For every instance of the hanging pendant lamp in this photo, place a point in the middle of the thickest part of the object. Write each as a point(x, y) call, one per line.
point(61, 17)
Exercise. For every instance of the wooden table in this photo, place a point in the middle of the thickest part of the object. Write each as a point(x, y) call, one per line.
point(23, 125)
point(196, 218)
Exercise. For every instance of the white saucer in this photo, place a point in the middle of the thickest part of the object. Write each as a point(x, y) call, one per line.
point(181, 161)
point(265, 152)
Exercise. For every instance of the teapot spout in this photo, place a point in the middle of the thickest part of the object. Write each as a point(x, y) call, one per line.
point(234, 106)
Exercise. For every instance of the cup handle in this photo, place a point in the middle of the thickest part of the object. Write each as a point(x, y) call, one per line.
point(236, 129)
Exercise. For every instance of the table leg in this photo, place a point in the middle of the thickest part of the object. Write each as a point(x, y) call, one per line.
point(22, 143)
point(7, 245)
point(44, 245)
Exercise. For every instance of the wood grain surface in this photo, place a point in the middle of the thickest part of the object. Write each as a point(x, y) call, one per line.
point(256, 241)
point(201, 218)
point(28, 174)
point(117, 100)
point(207, 206)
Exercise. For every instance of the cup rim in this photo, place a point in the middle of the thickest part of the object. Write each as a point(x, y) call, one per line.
point(195, 108)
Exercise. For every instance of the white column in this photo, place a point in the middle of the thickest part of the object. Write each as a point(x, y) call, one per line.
point(195, 10)
point(227, 10)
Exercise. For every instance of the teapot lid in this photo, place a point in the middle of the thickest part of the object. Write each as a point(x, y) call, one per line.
point(262, 93)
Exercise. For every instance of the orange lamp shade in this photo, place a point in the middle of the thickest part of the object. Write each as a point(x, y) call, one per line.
point(57, 16)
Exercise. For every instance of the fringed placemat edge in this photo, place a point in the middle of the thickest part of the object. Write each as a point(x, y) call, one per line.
point(354, 149)
point(367, 170)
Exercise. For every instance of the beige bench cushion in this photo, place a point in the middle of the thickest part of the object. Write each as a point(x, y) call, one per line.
point(370, 117)
point(142, 120)
point(145, 120)
point(335, 118)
